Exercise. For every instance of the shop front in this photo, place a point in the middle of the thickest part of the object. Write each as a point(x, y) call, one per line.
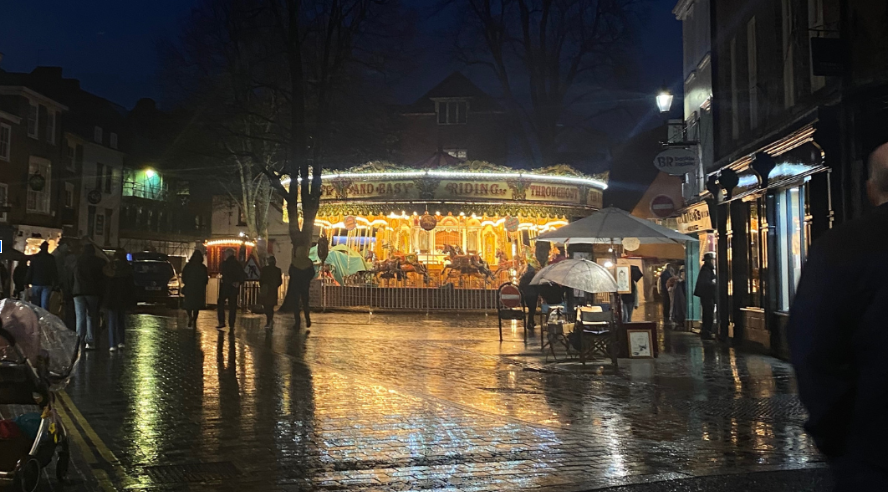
point(694, 220)
point(29, 238)
point(779, 201)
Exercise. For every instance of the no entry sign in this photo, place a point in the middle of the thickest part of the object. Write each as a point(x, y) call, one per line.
point(510, 296)
point(662, 206)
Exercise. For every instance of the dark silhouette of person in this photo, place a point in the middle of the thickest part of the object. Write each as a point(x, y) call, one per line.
point(195, 278)
point(529, 294)
point(837, 338)
point(707, 290)
point(269, 281)
point(229, 287)
point(665, 275)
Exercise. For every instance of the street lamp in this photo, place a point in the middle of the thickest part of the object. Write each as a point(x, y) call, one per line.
point(150, 173)
point(664, 100)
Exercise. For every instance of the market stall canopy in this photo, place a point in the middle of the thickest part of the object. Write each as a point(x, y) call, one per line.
point(345, 261)
point(584, 275)
point(612, 225)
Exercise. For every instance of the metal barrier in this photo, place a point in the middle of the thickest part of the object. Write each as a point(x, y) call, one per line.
point(407, 298)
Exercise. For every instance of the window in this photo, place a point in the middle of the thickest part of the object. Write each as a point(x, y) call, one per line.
point(90, 221)
point(33, 120)
point(735, 105)
point(788, 74)
point(69, 195)
point(752, 65)
point(97, 134)
point(816, 24)
point(755, 236)
point(70, 156)
point(791, 243)
point(38, 200)
point(3, 201)
point(100, 172)
point(452, 113)
point(113, 138)
point(458, 153)
point(51, 127)
point(109, 178)
point(5, 141)
point(100, 224)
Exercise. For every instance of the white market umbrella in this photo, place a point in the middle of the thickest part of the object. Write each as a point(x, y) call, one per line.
point(584, 275)
point(612, 225)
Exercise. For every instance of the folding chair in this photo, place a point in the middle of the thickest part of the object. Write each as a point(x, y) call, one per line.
point(597, 333)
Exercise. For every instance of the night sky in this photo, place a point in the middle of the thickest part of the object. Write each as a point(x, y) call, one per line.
point(110, 45)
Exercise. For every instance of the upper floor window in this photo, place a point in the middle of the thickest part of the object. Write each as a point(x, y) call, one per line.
point(3, 190)
point(113, 138)
point(97, 134)
point(109, 178)
point(452, 113)
point(51, 127)
point(33, 119)
point(100, 173)
point(70, 156)
point(5, 141)
point(38, 200)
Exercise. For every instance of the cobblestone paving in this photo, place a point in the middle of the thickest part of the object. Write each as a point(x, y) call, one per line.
point(415, 402)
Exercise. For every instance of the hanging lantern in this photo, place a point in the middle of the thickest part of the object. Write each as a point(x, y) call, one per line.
point(37, 182)
point(428, 222)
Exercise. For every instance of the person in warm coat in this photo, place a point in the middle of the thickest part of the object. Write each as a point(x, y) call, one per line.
point(66, 281)
point(630, 300)
point(679, 298)
point(270, 280)
point(529, 294)
point(42, 276)
point(837, 337)
point(667, 273)
point(229, 287)
point(87, 289)
point(707, 290)
point(119, 298)
point(301, 274)
point(195, 278)
point(19, 275)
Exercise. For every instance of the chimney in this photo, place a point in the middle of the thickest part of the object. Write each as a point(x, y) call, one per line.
point(47, 73)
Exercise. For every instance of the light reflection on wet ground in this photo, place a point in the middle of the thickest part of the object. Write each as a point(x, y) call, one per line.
point(397, 402)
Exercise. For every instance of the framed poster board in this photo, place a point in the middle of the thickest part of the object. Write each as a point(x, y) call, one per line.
point(624, 283)
point(640, 344)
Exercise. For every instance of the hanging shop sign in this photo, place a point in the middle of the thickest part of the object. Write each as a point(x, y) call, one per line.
point(37, 181)
point(511, 224)
point(427, 222)
point(350, 223)
point(662, 206)
point(694, 219)
point(94, 197)
point(676, 161)
point(631, 243)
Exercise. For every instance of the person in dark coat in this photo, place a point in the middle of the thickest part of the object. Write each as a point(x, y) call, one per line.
point(195, 278)
point(42, 276)
point(119, 298)
point(630, 300)
point(19, 276)
point(270, 280)
point(229, 287)
point(680, 298)
point(837, 338)
point(89, 285)
point(529, 294)
point(302, 272)
point(66, 281)
point(707, 290)
point(667, 273)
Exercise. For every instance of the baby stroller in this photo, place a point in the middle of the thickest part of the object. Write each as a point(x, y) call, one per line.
point(37, 355)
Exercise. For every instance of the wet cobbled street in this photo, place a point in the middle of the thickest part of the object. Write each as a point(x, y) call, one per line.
point(428, 402)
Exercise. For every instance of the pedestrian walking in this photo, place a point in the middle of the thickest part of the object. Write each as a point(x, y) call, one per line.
point(229, 287)
point(66, 281)
point(836, 334)
point(301, 274)
point(195, 278)
point(680, 298)
point(19, 277)
point(119, 298)
point(529, 294)
point(88, 286)
point(42, 276)
point(269, 281)
point(665, 275)
point(707, 290)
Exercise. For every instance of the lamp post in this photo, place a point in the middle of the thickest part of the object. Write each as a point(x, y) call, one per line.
point(664, 100)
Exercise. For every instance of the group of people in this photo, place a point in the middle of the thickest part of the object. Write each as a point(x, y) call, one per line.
point(672, 286)
point(88, 282)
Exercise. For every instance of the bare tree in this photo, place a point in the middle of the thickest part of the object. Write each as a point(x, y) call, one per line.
point(547, 56)
point(273, 81)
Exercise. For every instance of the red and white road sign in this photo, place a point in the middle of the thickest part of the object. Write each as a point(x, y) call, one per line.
point(510, 296)
point(662, 206)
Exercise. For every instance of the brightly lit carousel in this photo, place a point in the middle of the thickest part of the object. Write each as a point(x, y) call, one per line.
point(447, 223)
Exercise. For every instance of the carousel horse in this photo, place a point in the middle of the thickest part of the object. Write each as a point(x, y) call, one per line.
point(464, 264)
point(399, 265)
point(504, 265)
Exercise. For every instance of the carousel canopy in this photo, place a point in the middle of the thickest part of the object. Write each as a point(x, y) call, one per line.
point(612, 225)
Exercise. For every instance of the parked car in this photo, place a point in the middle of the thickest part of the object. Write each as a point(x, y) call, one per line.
point(156, 279)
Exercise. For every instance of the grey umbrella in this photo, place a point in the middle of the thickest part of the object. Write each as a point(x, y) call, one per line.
point(612, 225)
point(584, 275)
